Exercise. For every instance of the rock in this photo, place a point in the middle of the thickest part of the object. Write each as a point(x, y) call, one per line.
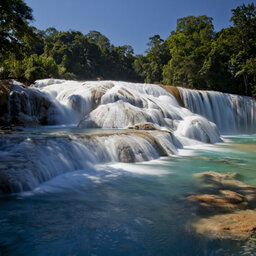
point(226, 200)
point(126, 148)
point(98, 92)
point(237, 225)
point(4, 95)
point(175, 92)
point(246, 147)
point(118, 114)
point(143, 126)
point(199, 128)
point(212, 177)
point(228, 195)
point(226, 181)
point(22, 106)
point(125, 152)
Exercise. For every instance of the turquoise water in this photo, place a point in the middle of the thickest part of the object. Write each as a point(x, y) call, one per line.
point(125, 209)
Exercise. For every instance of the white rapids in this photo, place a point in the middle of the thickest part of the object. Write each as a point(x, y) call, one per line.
point(112, 104)
point(231, 113)
point(149, 123)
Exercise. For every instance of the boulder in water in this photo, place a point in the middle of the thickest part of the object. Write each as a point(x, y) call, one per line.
point(143, 126)
point(228, 203)
point(225, 200)
point(237, 225)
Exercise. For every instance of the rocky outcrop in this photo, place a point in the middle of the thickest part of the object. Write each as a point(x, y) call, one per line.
point(127, 144)
point(237, 225)
point(229, 203)
point(143, 126)
point(119, 114)
point(22, 106)
point(175, 92)
point(98, 92)
point(26, 162)
point(225, 200)
point(226, 181)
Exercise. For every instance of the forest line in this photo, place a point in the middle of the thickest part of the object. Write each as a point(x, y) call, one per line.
point(193, 56)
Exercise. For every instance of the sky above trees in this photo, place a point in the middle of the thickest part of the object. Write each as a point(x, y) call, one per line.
point(128, 22)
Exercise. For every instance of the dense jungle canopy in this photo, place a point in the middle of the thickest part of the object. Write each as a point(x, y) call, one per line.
point(193, 56)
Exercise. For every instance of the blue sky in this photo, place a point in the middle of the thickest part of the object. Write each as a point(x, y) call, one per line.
point(129, 22)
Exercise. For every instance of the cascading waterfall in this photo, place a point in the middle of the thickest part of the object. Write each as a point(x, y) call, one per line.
point(231, 113)
point(30, 159)
point(27, 106)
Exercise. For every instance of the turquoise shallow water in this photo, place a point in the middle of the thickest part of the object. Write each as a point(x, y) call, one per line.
point(134, 209)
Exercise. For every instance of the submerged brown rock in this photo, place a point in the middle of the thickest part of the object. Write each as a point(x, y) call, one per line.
point(226, 200)
point(237, 225)
point(230, 202)
point(227, 181)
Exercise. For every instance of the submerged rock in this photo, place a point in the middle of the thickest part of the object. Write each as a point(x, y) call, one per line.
point(115, 115)
point(237, 225)
point(227, 181)
point(225, 200)
point(134, 146)
point(227, 195)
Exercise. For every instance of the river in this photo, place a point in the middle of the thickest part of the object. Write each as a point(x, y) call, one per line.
point(120, 208)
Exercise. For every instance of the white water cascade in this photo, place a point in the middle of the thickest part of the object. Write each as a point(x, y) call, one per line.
point(150, 123)
point(28, 161)
point(111, 104)
point(231, 113)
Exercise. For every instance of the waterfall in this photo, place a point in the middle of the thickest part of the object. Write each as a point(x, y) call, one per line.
point(231, 113)
point(159, 125)
point(28, 161)
point(112, 104)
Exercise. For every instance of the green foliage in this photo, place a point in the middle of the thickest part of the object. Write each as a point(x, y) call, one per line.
point(14, 27)
point(244, 19)
point(192, 56)
point(150, 67)
point(32, 67)
point(188, 47)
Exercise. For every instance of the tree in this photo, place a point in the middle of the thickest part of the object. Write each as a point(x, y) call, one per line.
point(188, 47)
point(150, 66)
point(218, 69)
point(99, 39)
point(73, 51)
point(14, 26)
point(244, 19)
point(32, 67)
